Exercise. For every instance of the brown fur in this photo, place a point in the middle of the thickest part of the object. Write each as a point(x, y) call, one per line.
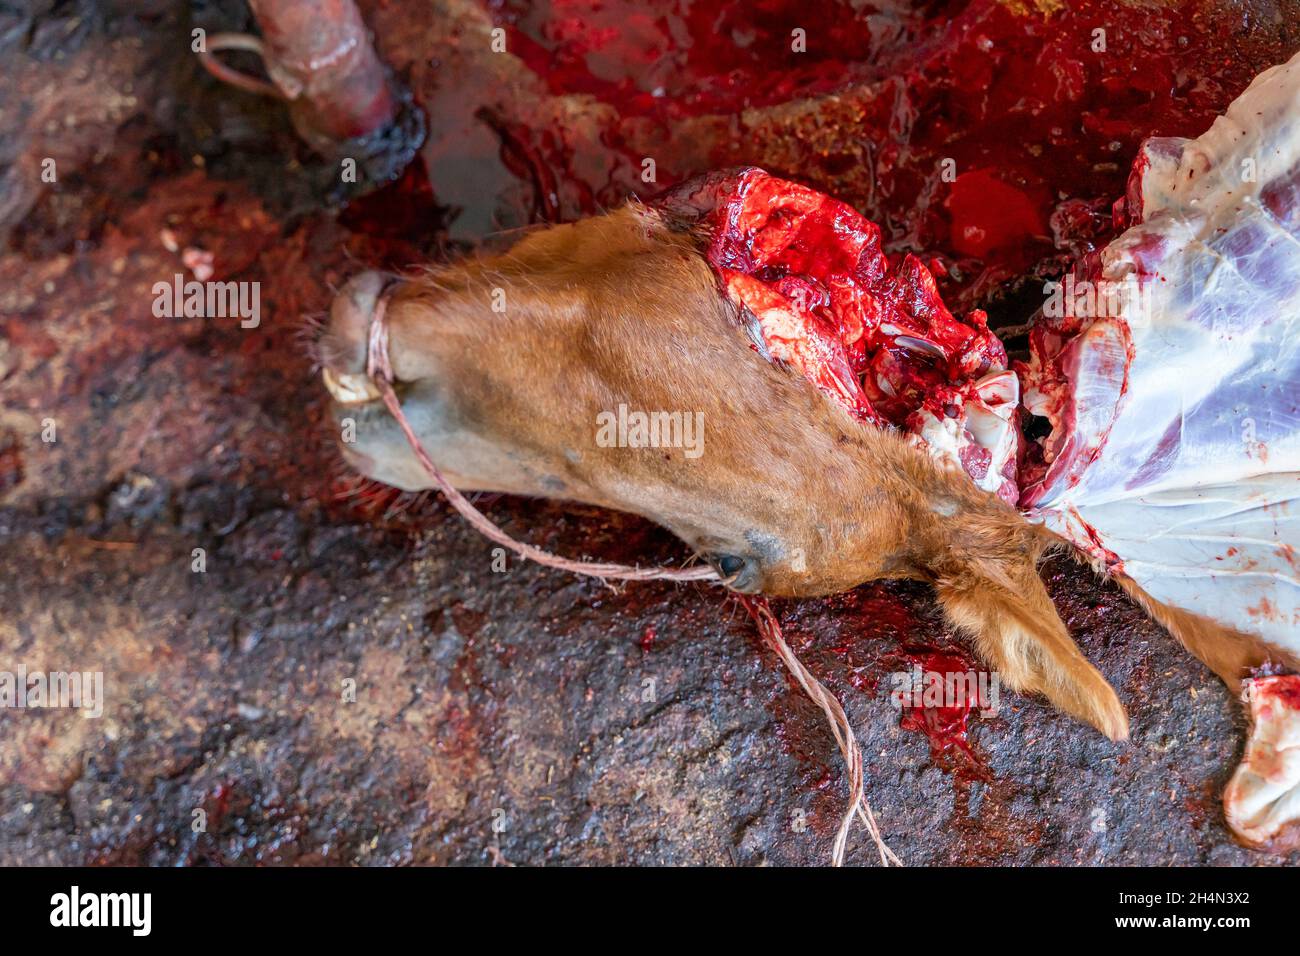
point(622, 309)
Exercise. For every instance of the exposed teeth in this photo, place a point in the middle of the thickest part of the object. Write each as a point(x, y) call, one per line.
point(350, 389)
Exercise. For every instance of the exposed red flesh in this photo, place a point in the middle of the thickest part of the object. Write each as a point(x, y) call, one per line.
point(808, 272)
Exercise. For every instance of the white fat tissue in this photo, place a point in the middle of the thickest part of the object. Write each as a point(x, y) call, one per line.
point(1264, 794)
point(1172, 376)
point(1169, 371)
point(981, 439)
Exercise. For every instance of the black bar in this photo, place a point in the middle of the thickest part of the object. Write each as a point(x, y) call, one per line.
point(331, 906)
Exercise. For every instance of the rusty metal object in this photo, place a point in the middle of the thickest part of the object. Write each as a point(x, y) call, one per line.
point(342, 99)
point(320, 56)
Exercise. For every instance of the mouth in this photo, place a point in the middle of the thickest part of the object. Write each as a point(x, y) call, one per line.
point(349, 389)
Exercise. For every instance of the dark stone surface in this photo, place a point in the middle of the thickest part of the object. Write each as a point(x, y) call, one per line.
point(646, 725)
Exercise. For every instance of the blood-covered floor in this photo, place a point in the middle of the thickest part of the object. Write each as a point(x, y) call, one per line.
point(646, 725)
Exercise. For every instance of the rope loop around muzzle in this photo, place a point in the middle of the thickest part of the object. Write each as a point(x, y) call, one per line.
point(380, 370)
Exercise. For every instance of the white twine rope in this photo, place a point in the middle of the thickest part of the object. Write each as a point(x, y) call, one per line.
point(381, 373)
point(380, 370)
point(770, 629)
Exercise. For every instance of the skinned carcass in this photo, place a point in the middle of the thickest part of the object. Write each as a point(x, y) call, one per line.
point(1168, 367)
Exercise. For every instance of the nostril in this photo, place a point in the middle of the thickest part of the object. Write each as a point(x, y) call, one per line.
point(344, 344)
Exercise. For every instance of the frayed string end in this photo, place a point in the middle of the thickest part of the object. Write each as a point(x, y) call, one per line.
point(770, 629)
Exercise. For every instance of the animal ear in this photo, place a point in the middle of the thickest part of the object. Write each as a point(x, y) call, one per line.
point(987, 582)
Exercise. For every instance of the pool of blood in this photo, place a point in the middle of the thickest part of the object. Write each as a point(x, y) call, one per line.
point(678, 59)
point(994, 134)
point(946, 725)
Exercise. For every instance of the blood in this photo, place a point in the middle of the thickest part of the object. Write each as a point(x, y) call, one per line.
point(12, 471)
point(1283, 688)
point(809, 275)
point(522, 159)
point(220, 800)
point(988, 215)
point(401, 222)
point(672, 59)
point(946, 725)
point(994, 133)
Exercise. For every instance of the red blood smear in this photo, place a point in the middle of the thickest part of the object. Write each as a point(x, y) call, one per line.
point(946, 727)
point(1042, 110)
point(1284, 688)
point(12, 471)
point(884, 637)
point(676, 59)
point(221, 794)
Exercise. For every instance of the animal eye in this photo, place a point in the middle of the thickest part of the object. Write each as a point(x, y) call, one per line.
point(729, 564)
point(740, 574)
